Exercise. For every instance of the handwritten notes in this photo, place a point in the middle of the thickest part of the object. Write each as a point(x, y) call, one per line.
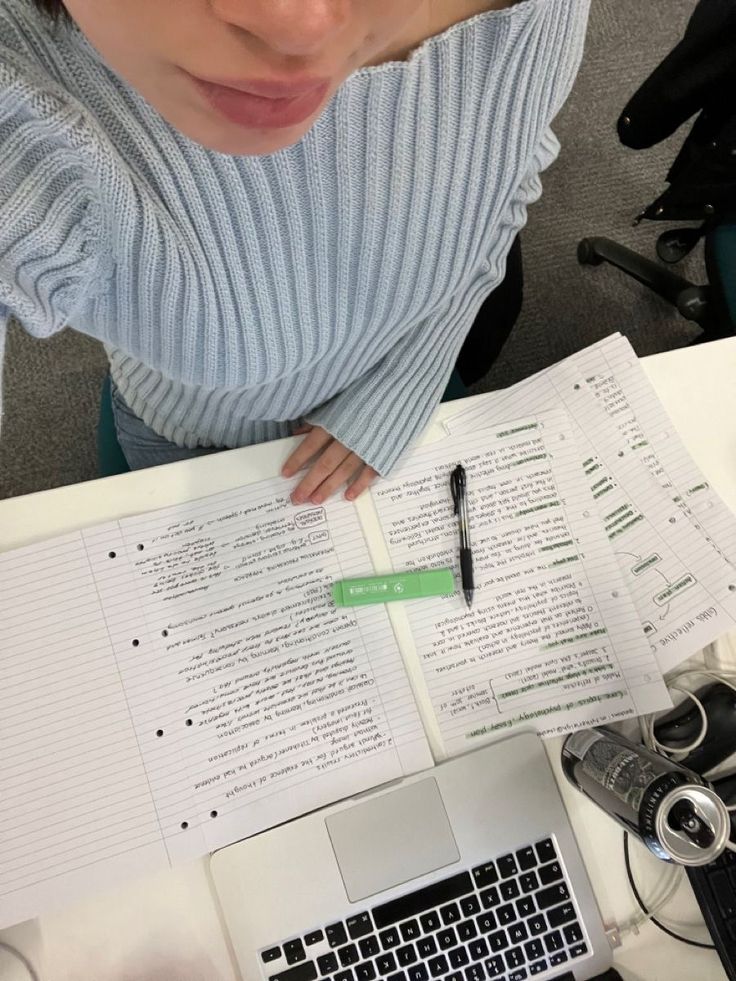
point(674, 539)
point(553, 639)
point(180, 680)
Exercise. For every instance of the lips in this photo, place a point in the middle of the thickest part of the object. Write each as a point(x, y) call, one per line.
point(265, 104)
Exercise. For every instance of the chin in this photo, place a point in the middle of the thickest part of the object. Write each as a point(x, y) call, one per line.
point(225, 137)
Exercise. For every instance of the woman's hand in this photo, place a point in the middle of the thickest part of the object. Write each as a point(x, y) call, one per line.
point(331, 466)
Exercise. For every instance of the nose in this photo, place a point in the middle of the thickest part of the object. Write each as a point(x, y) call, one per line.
point(289, 27)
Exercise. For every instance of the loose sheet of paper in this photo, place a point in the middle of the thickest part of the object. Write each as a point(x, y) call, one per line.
point(679, 577)
point(181, 679)
point(553, 639)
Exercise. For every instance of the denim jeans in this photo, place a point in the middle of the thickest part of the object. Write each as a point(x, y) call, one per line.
point(141, 446)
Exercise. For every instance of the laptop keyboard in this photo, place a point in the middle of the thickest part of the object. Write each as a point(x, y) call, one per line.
point(509, 919)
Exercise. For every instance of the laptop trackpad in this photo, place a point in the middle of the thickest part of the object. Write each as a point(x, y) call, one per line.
point(392, 839)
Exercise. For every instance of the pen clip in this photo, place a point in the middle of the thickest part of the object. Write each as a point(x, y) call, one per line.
point(457, 485)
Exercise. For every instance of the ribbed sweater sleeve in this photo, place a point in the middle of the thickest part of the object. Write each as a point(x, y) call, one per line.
point(383, 413)
point(49, 217)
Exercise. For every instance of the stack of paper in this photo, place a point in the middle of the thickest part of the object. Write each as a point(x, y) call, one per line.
point(177, 680)
point(603, 557)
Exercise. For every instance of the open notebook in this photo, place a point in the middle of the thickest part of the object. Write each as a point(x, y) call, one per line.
point(179, 680)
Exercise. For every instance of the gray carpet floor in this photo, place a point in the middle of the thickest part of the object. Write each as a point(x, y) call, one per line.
point(595, 188)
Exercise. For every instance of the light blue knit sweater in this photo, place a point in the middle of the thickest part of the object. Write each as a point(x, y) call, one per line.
point(334, 280)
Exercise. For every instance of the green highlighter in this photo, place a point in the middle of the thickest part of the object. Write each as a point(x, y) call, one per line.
point(399, 586)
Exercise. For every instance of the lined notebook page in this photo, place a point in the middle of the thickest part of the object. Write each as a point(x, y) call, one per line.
point(208, 685)
point(678, 580)
point(664, 452)
point(76, 806)
point(553, 639)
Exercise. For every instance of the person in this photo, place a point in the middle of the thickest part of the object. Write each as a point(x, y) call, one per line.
point(279, 216)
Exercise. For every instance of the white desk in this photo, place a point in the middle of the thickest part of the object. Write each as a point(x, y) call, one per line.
point(166, 928)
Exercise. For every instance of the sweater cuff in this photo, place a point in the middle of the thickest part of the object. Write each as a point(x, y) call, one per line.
point(384, 412)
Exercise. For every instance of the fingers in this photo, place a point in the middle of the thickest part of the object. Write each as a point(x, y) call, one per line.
point(332, 465)
point(364, 479)
point(343, 473)
point(316, 440)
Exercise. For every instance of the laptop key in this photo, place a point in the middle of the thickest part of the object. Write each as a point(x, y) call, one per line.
point(550, 873)
point(458, 957)
point(359, 925)
point(529, 882)
point(538, 967)
point(485, 875)
point(418, 972)
point(526, 859)
point(272, 954)
point(313, 938)
point(438, 965)
point(430, 921)
point(390, 938)
point(553, 941)
point(573, 933)
point(478, 949)
point(469, 905)
point(446, 939)
point(348, 955)
point(344, 976)
point(507, 866)
point(422, 900)
point(557, 958)
point(486, 922)
point(546, 851)
point(518, 975)
point(537, 925)
point(365, 972)
point(562, 914)
point(450, 914)
point(525, 906)
point(406, 955)
point(534, 950)
point(410, 930)
point(386, 963)
point(518, 933)
point(509, 890)
point(514, 958)
point(399, 976)
point(578, 950)
point(552, 895)
point(467, 929)
point(490, 898)
point(498, 941)
point(475, 972)
point(306, 971)
point(506, 914)
point(369, 946)
point(294, 951)
point(495, 967)
point(455, 976)
point(426, 947)
point(336, 935)
point(327, 963)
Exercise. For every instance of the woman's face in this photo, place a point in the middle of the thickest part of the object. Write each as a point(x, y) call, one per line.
point(242, 76)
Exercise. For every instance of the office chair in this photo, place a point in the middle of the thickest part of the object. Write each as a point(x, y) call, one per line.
point(698, 76)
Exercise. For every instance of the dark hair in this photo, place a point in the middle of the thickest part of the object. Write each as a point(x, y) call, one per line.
point(54, 8)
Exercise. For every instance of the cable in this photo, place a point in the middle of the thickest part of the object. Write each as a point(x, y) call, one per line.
point(22, 958)
point(647, 913)
point(646, 723)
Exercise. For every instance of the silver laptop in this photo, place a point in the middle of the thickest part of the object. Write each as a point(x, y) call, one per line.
point(465, 872)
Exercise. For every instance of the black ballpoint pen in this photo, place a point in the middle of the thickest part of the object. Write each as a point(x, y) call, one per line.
point(458, 486)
